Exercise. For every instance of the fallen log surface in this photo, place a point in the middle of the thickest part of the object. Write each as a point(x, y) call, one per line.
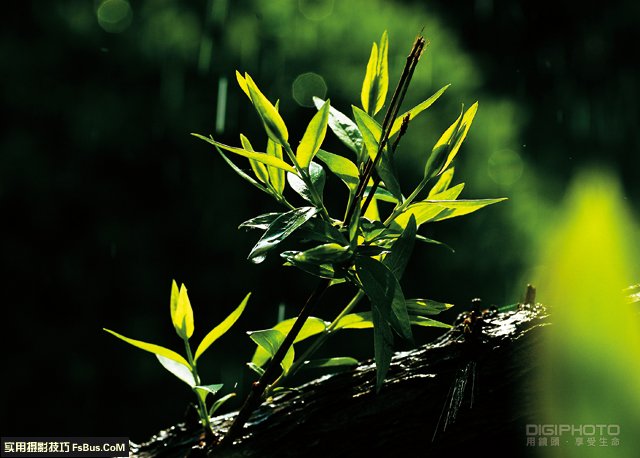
point(472, 389)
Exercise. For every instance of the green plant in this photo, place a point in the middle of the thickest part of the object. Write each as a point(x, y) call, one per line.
point(186, 369)
point(368, 247)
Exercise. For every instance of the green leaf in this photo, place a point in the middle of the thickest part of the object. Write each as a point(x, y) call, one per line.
point(452, 208)
point(428, 322)
point(311, 327)
point(243, 84)
point(319, 230)
point(338, 361)
point(424, 211)
point(343, 127)
point(313, 136)
point(447, 147)
point(151, 348)
point(261, 222)
point(426, 307)
point(255, 368)
point(205, 390)
point(342, 167)
point(318, 178)
point(376, 80)
point(181, 311)
point(178, 369)
point(385, 294)
point(371, 133)
point(222, 328)
point(401, 250)
point(240, 172)
point(283, 226)
point(382, 345)
point(276, 175)
point(218, 403)
point(270, 340)
point(443, 182)
point(273, 123)
point(332, 253)
point(260, 157)
point(415, 111)
point(362, 320)
point(259, 169)
point(326, 270)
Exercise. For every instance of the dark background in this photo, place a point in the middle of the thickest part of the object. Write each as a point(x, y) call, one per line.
point(106, 197)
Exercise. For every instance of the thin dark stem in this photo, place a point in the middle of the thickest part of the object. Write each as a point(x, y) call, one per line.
point(254, 399)
point(387, 123)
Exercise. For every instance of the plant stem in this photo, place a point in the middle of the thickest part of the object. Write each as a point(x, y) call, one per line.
point(254, 399)
point(202, 408)
point(322, 338)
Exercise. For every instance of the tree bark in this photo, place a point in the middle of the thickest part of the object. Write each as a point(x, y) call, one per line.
point(472, 389)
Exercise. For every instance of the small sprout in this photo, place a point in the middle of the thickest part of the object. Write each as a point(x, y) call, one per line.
point(183, 368)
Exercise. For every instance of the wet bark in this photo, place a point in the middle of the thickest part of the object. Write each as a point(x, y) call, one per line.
point(472, 389)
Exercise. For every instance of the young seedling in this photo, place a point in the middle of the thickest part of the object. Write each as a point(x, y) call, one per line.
point(370, 246)
point(186, 368)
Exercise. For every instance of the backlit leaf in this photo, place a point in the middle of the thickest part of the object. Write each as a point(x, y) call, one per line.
point(343, 127)
point(182, 313)
point(415, 111)
point(151, 348)
point(276, 175)
point(376, 80)
point(443, 182)
point(270, 340)
point(283, 226)
point(178, 369)
point(428, 322)
point(318, 178)
point(426, 307)
point(222, 328)
point(454, 208)
point(361, 320)
point(342, 167)
point(261, 222)
point(260, 157)
point(259, 169)
point(313, 136)
point(424, 211)
point(273, 122)
point(338, 361)
point(401, 250)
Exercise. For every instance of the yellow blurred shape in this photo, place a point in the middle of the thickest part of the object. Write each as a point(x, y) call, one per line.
point(591, 360)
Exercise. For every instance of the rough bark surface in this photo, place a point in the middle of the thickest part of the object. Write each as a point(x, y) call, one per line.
point(472, 389)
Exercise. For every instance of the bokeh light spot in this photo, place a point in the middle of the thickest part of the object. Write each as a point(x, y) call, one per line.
point(114, 16)
point(316, 10)
point(306, 86)
point(505, 167)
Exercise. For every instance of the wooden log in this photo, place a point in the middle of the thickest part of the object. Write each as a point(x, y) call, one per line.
point(473, 389)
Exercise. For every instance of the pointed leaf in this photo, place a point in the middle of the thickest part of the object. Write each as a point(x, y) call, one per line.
point(369, 92)
point(261, 222)
point(222, 328)
point(255, 368)
point(260, 157)
point(182, 315)
point(311, 327)
point(178, 369)
point(343, 127)
point(401, 250)
point(276, 175)
point(454, 208)
point(443, 182)
point(415, 111)
point(243, 84)
point(313, 136)
point(259, 169)
point(240, 172)
point(385, 294)
point(151, 348)
point(426, 307)
point(371, 133)
point(342, 167)
point(330, 362)
point(218, 403)
point(318, 178)
point(274, 125)
point(270, 340)
point(208, 389)
point(283, 226)
point(428, 322)
point(424, 211)
point(362, 320)
point(383, 72)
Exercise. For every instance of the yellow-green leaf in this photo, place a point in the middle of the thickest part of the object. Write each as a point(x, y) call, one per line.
point(222, 328)
point(415, 111)
point(424, 211)
point(260, 157)
point(259, 169)
point(276, 175)
point(182, 314)
point(273, 123)
point(444, 180)
point(376, 80)
point(368, 92)
point(269, 340)
point(243, 84)
point(313, 136)
point(151, 348)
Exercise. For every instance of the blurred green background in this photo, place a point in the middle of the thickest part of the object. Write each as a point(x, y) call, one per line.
point(106, 197)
